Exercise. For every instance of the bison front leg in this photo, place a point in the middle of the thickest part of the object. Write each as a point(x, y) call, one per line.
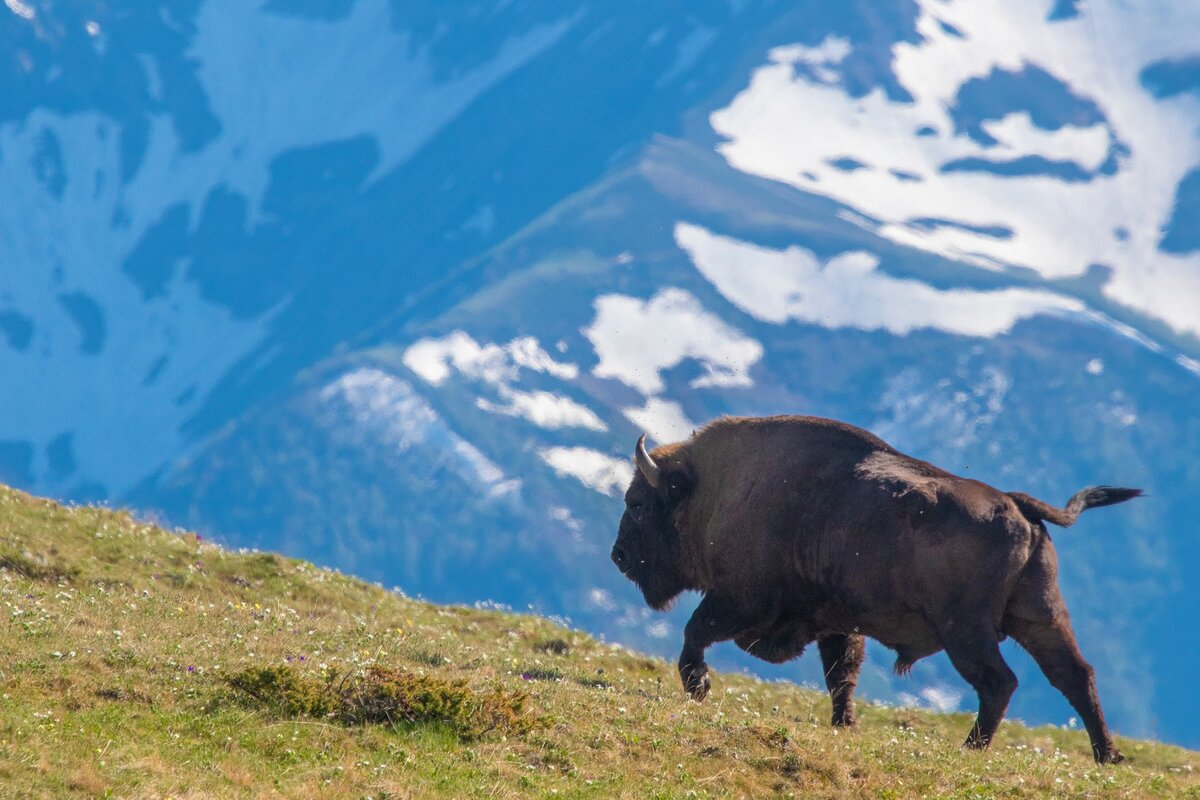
point(842, 657)
point(716, 619)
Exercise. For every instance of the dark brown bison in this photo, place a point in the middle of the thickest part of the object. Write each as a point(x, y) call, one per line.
point(798, 529)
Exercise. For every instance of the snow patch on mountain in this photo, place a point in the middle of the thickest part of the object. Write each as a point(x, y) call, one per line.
point(938, 696)
point(849, 291)
point(1017, 136)
point(436, 359)
point(636, 340)
point(375, 407)
point(820, 59)
point(498, 367)
point(595, 470)
point(95, 356)
point(544, 409)
point(281, 82)
point(1119, 409)
point(22, 10)
point(663, 420)
point(920, 413)
point(1057, 195)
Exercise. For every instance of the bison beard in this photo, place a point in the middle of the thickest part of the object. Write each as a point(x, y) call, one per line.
point(802, 529)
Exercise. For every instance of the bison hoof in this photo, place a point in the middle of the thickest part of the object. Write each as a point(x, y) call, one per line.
point(696, 683)
point(1110, 756)
point(976, 742)
point(846, 719)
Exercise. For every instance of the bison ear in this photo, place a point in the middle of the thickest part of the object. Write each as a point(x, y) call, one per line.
point(677, 483)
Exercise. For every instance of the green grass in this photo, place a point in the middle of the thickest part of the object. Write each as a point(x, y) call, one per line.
point(141, 663)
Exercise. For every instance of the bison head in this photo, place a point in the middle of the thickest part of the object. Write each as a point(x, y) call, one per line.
point(647, 550)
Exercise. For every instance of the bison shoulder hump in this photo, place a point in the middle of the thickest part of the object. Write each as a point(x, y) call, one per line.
point(902, 476)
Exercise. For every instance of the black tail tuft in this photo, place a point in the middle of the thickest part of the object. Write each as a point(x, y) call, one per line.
point(1097, 496)
point(1093, 497)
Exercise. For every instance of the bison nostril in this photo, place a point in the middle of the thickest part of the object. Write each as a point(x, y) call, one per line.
point(618, 557)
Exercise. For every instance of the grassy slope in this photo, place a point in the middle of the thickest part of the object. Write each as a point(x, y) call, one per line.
point(118, 640)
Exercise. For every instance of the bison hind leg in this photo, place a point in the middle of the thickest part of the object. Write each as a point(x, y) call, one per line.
point(1053, 646)
point(842, 657)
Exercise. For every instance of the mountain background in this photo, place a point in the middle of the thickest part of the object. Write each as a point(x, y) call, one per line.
point(395, 286)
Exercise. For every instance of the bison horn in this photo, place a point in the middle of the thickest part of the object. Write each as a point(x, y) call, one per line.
point(645, 463)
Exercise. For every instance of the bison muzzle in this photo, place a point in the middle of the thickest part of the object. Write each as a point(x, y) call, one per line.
point(802, 529)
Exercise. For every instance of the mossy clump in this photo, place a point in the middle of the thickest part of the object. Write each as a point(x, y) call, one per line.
point(284, 691)
point(556, 646)
point(382, 696)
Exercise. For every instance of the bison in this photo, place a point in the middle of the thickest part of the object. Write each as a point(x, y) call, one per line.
point(797, 529)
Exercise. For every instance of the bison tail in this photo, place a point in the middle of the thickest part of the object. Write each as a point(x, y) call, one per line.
point(1093, 497)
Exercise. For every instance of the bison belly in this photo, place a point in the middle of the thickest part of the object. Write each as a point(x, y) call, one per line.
point(778, 644)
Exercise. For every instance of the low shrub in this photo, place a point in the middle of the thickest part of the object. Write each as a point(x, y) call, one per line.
point(382, 696)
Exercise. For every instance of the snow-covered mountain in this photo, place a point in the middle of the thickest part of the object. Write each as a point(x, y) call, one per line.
point(396, 286)
point(202, 198)
point(1009, 139)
